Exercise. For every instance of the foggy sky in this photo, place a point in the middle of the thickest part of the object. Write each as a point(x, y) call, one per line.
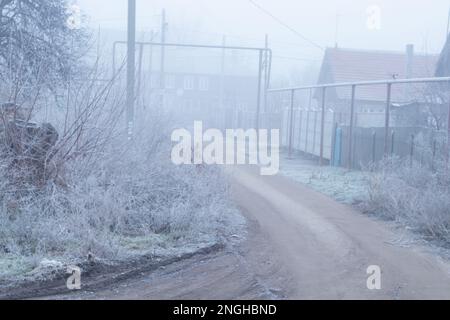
point(420, 22)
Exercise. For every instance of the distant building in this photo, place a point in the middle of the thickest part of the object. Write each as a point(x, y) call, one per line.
point(203, 82)
point(443, 66)
point(206, 91)
point(349, 65)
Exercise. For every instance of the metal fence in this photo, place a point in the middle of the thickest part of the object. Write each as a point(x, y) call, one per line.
point(336, 137)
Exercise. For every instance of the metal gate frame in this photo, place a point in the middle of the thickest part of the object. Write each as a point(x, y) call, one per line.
point(261, 52)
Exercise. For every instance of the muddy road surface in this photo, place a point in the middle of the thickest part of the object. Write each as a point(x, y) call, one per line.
point(299, 245)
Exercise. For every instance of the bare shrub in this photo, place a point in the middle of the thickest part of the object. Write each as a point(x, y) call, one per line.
point(413, 194)
point(102, 190)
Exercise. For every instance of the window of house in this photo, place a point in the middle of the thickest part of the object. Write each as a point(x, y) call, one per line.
point(242, 106)
point(170, 82)
point(189, 83)
point(204, 84)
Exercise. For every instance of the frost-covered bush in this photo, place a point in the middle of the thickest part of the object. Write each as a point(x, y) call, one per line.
point(98, 194)
point(110, 198)
point(412, 194)
point(130, 191)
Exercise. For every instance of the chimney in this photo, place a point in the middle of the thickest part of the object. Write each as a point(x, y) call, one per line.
point(409, 61)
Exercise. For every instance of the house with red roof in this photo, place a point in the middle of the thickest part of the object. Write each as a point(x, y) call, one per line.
point(351, 65)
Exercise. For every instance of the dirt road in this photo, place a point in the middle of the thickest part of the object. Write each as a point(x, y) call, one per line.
point(300, 245)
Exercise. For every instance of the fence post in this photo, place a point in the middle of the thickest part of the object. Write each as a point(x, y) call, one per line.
point(322, 126)
point(433, 159)
point(314, 132)
point(374, 144)
point(333, 144)
point(283, 126)
point(291, 123)
point(350, 133)
point(307, 130)
point(392, 142)
point(387, 118)
point(300, 131)
point(448, 136)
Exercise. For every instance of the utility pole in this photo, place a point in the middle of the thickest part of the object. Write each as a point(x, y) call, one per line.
point(258, 100)
point(222, 74)
point(139, 72)
point(152, 38)
point(150, 62)
point(163, 55)
point(131, 61)
point(266, 71)
point(336, 34)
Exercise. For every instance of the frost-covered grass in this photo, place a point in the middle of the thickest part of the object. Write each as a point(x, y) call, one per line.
point(410, 194)
point(345, 186)
point(14, 265)
point(129, 202)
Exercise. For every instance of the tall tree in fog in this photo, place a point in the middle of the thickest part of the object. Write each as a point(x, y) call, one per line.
point(38, 41)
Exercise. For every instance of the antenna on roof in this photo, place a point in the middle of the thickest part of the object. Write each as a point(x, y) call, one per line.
point(336, 35)
point(448, 25)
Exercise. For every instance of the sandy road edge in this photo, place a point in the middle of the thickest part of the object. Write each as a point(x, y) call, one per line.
point(97, 275)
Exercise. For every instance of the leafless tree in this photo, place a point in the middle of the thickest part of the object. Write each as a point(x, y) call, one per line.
point(37, 39)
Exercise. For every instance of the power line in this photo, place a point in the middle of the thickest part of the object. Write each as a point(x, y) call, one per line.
point(314, 44)
point(241, 37)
